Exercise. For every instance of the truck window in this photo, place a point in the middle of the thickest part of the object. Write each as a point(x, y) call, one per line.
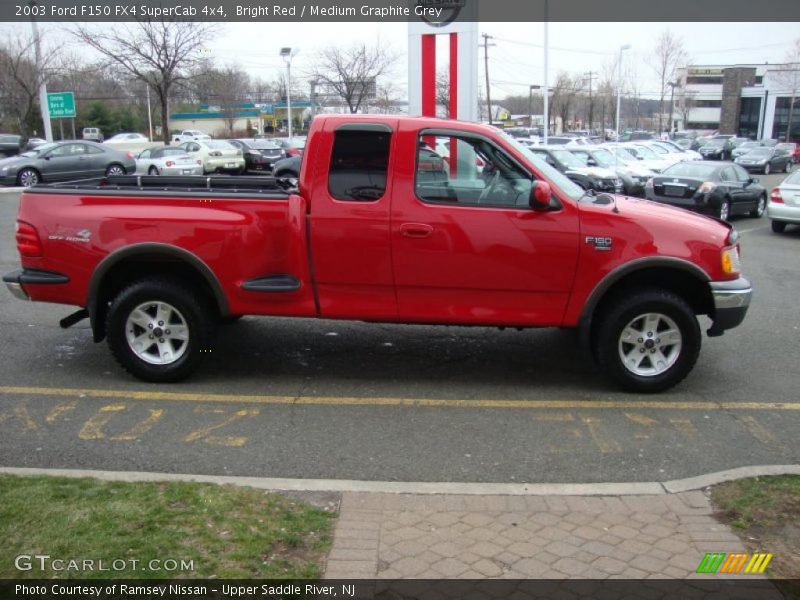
point(359, 165)
point(469, 171)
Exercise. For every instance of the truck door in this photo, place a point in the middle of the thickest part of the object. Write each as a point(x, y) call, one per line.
point(467, 248)
point(351, 194)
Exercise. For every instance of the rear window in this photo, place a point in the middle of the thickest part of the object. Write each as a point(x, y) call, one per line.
point(168, 152)
point(690, 170)
point(359, 165)
point(219, 145)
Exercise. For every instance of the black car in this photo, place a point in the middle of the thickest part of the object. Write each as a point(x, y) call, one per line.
point(288, 167)
point(766, 160)
point(10, 144)
point(717, 148)
point(259, 155)
point(62, 161)
point(632, 180)
point(632, 136)
point(588, 177)
point(717, 189)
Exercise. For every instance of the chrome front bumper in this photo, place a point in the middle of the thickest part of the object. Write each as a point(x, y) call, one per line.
point(731, 301)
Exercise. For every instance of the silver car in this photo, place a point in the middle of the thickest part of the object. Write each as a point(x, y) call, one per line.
point(783, 207)
point(167, 161)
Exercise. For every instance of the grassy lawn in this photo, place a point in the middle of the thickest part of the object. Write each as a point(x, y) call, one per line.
point(227, 531)
point(765, 512)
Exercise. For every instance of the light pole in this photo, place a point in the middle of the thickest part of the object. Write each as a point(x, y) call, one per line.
point(672, 85)
point(43, 104)
point(545, 100)
point(287, 54)
point(619, 83)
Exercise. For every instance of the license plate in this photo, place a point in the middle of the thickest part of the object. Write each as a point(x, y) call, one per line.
point(187, 171)
point(674, 190)
point(230, 165)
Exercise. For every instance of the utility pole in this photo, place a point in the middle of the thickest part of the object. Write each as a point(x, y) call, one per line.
point(486, 44)
point(591, 75)
point(43, 106)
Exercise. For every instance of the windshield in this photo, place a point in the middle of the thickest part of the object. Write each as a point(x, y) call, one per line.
point(564, 183)
point(716, 142)
point(567, 158)
point(760, 152)
point(786, 146)
point(263, 145)
point(604, 158)
point(750, 145)
point(658, 149)
point(699, 170)
point(645, 152)
point(219, 144)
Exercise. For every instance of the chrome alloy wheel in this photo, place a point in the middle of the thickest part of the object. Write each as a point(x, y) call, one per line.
point(650, 344)
point(28, 178)
point(114, 170)
point(157, 333)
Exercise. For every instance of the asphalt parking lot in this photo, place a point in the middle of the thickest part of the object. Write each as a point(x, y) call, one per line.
point(322, 399)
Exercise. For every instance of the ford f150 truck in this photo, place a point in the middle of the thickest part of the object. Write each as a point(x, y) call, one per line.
point(382, 228)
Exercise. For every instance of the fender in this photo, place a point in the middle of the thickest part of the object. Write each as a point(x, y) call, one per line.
point(639, 264)
point(151, 249)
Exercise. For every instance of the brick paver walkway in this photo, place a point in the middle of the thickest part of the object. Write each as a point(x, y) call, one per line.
point(399, 536)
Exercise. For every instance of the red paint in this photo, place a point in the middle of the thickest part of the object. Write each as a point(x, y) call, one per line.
point(394, 259)
point(429, 75)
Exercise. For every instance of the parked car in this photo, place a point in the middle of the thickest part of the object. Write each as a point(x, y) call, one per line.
point(168, 160)
point(218, 156)
point(132, 142)
point(34, 142)
point(10, 144)
point(792, 148)
point(126, 138)
point(93, 134)
point(718, 189)
point(768, 142)
point(61, 161)
point(647, 156)
point(766, 160)
point(744, 148)
point(559, 140)
point(364, 238)
point(630, 136)
point(259, 155)
point(288, 167)
point(684, 153)
point(664, 152)
point(633, 176)
point(784, 203)
point(189, 135)
point(292, 146)
point(588, 177)
point(717, 148)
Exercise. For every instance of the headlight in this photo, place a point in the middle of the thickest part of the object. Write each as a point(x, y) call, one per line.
point(4, 169)
point(730, 261)
point(762, 162)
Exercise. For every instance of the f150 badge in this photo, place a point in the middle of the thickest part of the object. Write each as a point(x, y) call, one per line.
point(602, 244)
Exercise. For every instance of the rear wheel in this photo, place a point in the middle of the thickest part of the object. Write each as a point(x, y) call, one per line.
point(758, 211)
point(648, 341)
point(788, 168)
point(767, 169)
point(724, 210)
point(152, 170)
point(778, 226)
point(159, 330)
point(114, 170)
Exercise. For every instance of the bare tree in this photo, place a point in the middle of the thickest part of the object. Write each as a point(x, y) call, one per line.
point(443, 90)
point(20, 81)
point(156, 52)
point(565, 91)
point(789, 78)
point(352, 73)
point(387, 98)
point(667, 56)
point(686, 102)
point(225, 87)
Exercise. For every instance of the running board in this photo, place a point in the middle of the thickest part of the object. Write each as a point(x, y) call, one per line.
point(272, 284)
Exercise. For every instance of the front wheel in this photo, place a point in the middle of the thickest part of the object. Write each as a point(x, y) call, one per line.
point(28, 178)
point(724, 210)
point(766, 169)
point(648, 341)
point(159, 330)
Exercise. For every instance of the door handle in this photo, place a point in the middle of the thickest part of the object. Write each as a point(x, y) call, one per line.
point(416, 230)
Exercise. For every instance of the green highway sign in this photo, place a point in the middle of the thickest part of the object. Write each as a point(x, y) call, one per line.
point(61, 105)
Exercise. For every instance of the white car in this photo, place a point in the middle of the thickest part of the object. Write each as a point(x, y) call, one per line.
point(132, 142)
point(126, 138)
point(783, 207)
point(216, 155)
point(673, 148)
point(647, 157)
point(167, 161)
point(189, 135)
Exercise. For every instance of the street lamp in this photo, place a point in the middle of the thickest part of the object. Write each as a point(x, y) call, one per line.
point(287, 54)
point(672, 85)
point(619, 82)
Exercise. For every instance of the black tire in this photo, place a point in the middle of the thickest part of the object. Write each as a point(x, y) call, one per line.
point(788, 168)
point(114, 169)
point(778, 226)
point(288, 174)
point(767, 169)
point(196, 314)
point(153, 170)
point(28, 177)
point(608, 344)
point(724, 210)
point(230, 319)
point(761, 206)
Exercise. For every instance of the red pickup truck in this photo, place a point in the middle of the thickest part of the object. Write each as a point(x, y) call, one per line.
point(393, 219)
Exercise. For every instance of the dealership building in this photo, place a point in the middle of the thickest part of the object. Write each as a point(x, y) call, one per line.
point(747, 99)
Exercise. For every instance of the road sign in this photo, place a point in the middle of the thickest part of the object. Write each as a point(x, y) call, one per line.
point(61, 105)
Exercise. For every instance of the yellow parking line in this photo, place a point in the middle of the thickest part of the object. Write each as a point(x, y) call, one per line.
point(419, 402)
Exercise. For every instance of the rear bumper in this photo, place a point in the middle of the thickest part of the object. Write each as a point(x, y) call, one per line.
point(17, 280)
point(782, 212)
point(731, 301)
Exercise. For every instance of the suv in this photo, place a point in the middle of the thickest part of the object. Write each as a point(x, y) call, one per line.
point(93, 133)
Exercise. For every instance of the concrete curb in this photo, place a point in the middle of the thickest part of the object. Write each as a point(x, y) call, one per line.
point(10, 190)
point(392, 487)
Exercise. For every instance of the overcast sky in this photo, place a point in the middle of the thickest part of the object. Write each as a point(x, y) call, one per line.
point(516, 60)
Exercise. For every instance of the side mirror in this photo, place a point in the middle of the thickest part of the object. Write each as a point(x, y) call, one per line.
point(591, 162)
point(540, 196)
point(754, 180)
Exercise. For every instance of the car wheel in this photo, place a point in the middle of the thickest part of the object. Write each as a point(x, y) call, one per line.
point(724, 210)
point(758, 211)
point(778, 226)
point(114, 170)
point(159, 330)
point(788, 168)
point(766, 169)
point(648, 341)
point(28, 177)
point(152, 170)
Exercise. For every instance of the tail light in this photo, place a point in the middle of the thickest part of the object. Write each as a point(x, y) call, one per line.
point(170, 163)
point(28, 243)
point(776, 197)
point(129, 155)
point(479, 162)
point(706, 187)
point(199, 162)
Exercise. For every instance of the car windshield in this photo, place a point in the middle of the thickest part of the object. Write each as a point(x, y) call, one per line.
point(690, 169)
point(567, 158)
point(760, 152)
point(786, 146)
point(262, 145)
point(645, 152)
point(658, 149)
point(749, 145)
point(716, 142)
point(622, 154)
point(564, 183)
point(604, 158)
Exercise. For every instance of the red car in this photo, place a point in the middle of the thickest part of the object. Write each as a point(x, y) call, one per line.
point(792, 148)
point(380, 229)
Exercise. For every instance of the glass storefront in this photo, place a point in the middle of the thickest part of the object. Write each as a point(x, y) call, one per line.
point(749, 117)
point(782, 119)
